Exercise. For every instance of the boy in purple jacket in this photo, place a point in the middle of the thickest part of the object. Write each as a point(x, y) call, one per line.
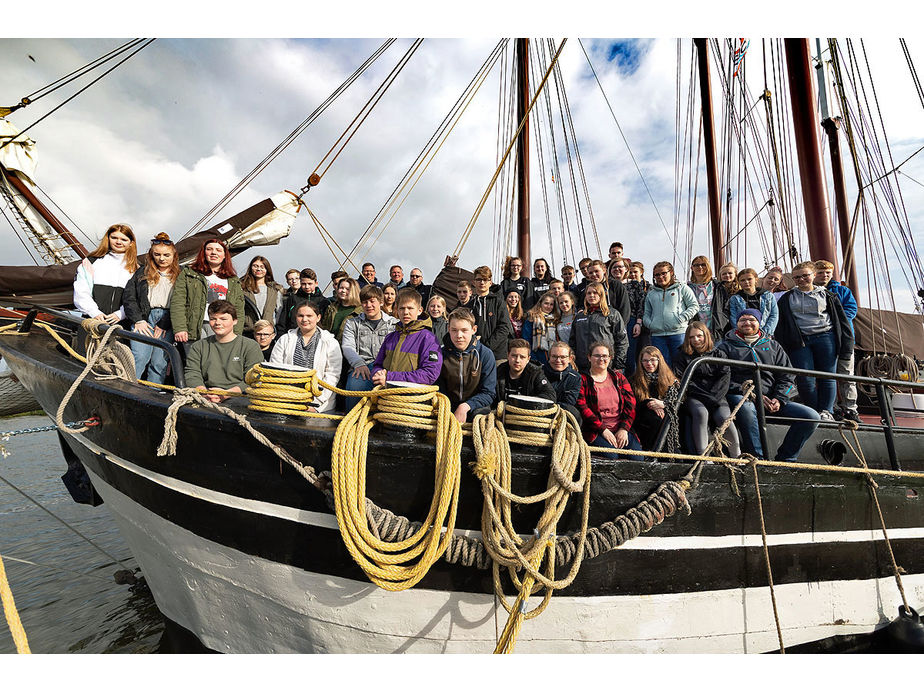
point(411, 353)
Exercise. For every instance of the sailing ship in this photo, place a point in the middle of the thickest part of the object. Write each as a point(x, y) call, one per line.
point(245, 554)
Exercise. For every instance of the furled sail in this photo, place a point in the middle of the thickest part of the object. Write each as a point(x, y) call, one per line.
point(17, 161)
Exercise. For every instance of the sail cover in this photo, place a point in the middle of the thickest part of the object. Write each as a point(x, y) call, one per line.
point(19, 155)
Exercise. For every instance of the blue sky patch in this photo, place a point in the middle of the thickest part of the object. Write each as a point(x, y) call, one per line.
point(628, 54)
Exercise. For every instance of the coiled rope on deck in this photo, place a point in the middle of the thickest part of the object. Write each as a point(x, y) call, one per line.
point(401, 563)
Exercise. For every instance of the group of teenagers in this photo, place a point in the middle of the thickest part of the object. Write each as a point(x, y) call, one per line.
point(609, 348)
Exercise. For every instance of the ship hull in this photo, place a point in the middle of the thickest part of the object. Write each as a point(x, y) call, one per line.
point(243, 553)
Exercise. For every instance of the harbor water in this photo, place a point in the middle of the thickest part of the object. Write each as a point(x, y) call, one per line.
point(65, 592)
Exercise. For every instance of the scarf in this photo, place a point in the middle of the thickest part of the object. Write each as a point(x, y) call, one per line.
point(304, 353)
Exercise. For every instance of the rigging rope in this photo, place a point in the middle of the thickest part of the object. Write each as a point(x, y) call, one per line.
point(73, 96)
point(288, 140)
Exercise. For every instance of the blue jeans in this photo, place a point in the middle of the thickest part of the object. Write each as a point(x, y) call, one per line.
point(151, 357)
point(354, 383)
point(668, 345)
point(601, 442)
point(795, 437)
point(818, 354)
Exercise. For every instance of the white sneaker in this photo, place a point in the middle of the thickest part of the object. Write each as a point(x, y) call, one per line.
point(825, 415)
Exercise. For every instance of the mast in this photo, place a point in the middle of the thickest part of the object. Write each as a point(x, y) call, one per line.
point(831, 127)
point(523, 246)
point(712, 168)
point(814, 196)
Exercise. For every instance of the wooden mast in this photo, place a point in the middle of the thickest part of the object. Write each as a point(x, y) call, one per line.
point(831, 127)
point(814, 196)
point(712, 167)
point(523, 246)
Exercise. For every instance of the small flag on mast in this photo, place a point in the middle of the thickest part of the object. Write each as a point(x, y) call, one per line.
point(738, 57)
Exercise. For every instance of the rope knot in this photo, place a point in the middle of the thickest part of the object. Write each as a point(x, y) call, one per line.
point(485, 466)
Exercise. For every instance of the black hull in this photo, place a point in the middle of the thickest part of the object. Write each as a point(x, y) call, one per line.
point(819, 524)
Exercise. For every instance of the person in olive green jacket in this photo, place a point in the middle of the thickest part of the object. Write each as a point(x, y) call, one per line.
point(211, 277)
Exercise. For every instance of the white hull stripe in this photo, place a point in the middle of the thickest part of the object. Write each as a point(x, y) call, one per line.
point(644, 543)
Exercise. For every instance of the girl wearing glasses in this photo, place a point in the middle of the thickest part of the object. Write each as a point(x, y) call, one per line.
point(814, 331)
point(651, 382)
point(210, 277)
point(606, 403)
point(103, 274)
point(262, 295)
point(147, 306)
point(669, 307)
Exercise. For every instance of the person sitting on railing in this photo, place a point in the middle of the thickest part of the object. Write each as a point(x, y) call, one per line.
point(311, 347)
point(469, 372)
point(748, 343)
point(146, 301)
point(606, 403)
point(363, 336)
point(102, 275)
point(815, 333)
point(705, 400)
point(221, 360)
point(518, 376)
point(563, 377)
point(411, 353)
point(652, 382)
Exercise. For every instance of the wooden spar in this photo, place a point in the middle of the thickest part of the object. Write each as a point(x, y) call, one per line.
point(849, 268)
point(46, 213)
point(831, 127)
point(804, 114)
point(712, 168)
point(523, 245)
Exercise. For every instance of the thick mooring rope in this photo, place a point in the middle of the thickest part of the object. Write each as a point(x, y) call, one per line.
point(12, 615)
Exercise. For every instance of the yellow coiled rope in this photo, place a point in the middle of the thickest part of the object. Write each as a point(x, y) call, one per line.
point(504, 544)
point(401, 564)
point(283, 391)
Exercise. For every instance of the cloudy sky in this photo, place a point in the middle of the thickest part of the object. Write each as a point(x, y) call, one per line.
point(162, 138)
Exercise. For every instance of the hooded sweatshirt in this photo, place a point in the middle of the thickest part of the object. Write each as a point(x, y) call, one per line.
point(668, 309)
point(410, 354)
point(468, 376)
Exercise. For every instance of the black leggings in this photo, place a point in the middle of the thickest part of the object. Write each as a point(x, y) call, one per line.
point(700, 418)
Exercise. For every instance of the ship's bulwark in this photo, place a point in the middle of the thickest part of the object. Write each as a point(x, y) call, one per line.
point(249, 558)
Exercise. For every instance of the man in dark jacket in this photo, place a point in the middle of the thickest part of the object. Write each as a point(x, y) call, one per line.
point(493, 319)
point(563, 378)
point(469, 372)
point(415, 281)
point(748, 343)
point(368, 277)
point(308, 291)
point(517, 376)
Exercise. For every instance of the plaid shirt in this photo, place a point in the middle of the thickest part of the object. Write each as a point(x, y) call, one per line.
point(590, 409)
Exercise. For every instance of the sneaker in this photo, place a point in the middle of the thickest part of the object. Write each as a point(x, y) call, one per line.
point(825, 415)
point(852, 415)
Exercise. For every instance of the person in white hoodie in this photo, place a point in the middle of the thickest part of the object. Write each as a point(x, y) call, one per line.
point(669, 307)
point(311, 347)
point(103, 274)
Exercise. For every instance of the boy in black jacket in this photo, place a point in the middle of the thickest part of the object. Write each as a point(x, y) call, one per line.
point(517, 376)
